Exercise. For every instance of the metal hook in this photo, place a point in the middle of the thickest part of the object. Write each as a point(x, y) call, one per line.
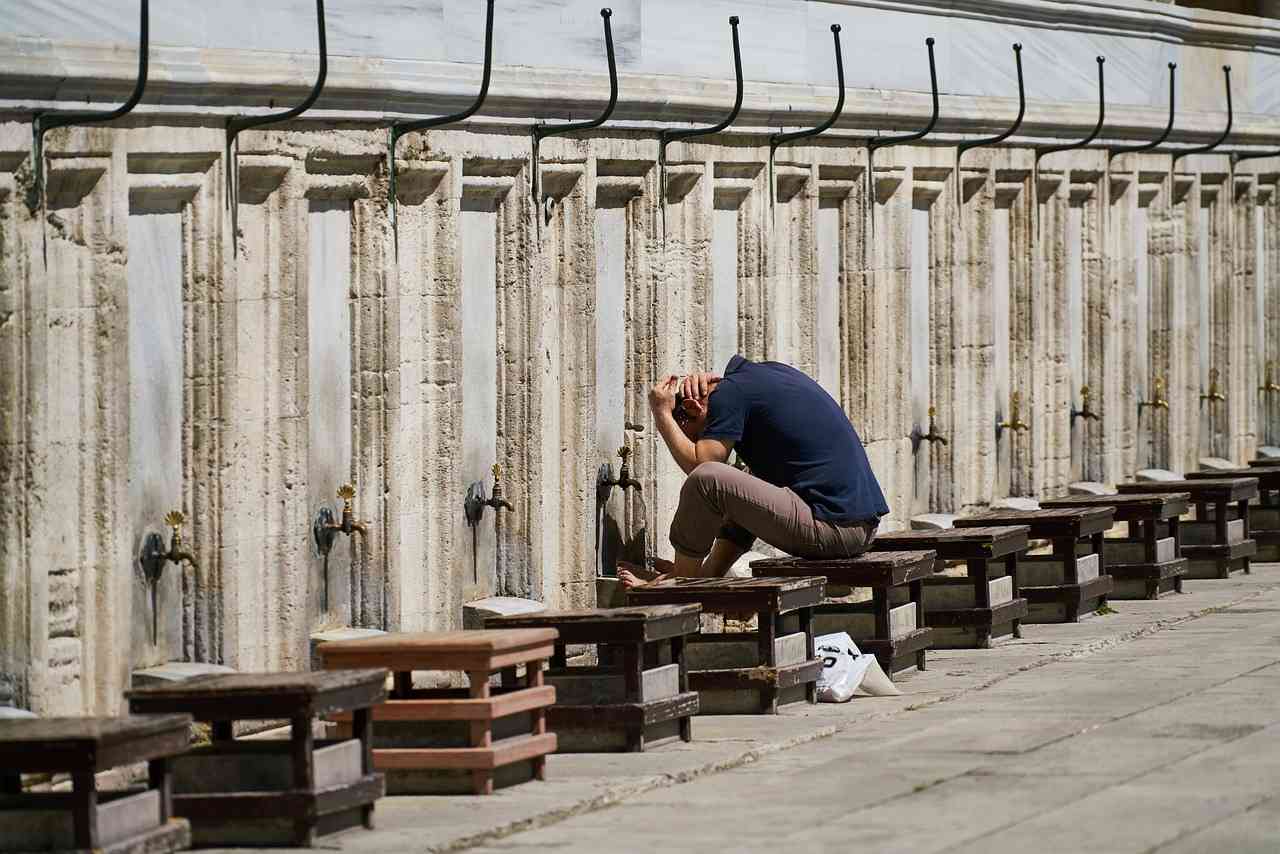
point(236, 124)
point(668, 136)
point(541, 131)
point(1097, 129)
point(399, 129)
point(1138, 149)
point(962, 147)
point(887, 141)
point(1205, 149)
point(778, 140)
point(42, 123)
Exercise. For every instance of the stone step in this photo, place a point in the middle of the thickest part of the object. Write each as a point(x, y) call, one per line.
point(1049, 572)
point(597, 687)
point(902, 622)
point(943, 594)
point(1135, 551)
point(725, 655)
point(1205, 533)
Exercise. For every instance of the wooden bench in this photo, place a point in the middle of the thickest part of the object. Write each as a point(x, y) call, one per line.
point(985, 605)
point(1147, 563)
point(1214, 543)
point(85, 820)
point(747, 672)
point(1264, 511)
point(448, 740)
point(1072, 580)
point(272, 791)
point(1265, 462)
point(637, 695)
point(892, 625)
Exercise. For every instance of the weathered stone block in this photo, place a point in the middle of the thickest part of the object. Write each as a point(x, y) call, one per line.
point(1155, 476)
point(598, 740)
point(723, 655)
point(208, 770)
point(176, 671)
point(319, 639)
point(958, 593)
point(933, 521)
point(595, 687)
point(475, 613)
point(1205, 533)
point(121, 816)
point(1217, 464)
point(1135, 551)
point(1048, 572)
point(1088, 487)
point(902, 622)
point(1015, 502)
point(742, 701)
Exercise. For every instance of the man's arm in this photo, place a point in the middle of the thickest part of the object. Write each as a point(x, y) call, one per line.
point(686, 453)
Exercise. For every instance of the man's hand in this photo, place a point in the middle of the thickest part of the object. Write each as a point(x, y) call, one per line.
point(662, 397)
point(699, 385)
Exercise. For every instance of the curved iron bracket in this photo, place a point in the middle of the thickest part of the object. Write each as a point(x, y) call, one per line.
point(877, 143)
point(778, 140)
point(42, 123)
point(962, 147)
point(1044, 150)
point(236, 124)
point(668, 136)
point(399, 129)
point(1168, 128)
point(541, 131)
point(1205, 149)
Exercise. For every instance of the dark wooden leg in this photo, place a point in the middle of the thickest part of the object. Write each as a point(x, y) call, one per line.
point(1011, 569)
point(768, 633)
point(559, 657)
point(221, 731)
point(1220, 522)
point(978, 572)
point(84, 809)
point(510, 678)
point(534, 680)
point(806, 625)
point(403, 685)
point(1244, 514)
point(677, 658)
point(362, 729)
point(158, 779)
point(481, 731)
point(1175, 531)
point(1149, 540)
point(632, 679)
point(10, 782)
point(304, 776)
point(1102, 556)
point(916, 592)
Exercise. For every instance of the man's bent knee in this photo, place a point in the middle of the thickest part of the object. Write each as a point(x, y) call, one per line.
point(706, 477)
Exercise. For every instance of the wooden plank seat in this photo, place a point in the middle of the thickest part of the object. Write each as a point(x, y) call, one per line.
point(892, 625)
point(1216, 542)
point(1264, 511)
point(747, 672)
point(458, 740)
point(1264, 462)
point(272, 791)
point(1148, 562)
point(974, 611)
point(86, 820)
point(1071, 581)
point(637, 694)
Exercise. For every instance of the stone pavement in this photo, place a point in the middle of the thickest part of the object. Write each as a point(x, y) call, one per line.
point(1150, 729)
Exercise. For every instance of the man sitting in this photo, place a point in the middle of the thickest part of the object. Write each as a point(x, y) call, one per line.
point(810, 491)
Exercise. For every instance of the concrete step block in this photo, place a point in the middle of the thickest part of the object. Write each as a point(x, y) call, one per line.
point(1217, 464)
point(176, 671)
point(121, 817)
point(1155, 476)
point(949, 593)
point(596, 687)
point(933, 521)
point(724, 655)
point(206, 771)
point(1049, 572)
point(1015, 502)
point(475, 613)
point(1089, 487)
point(1135, 551)
point(1205, 533)
point(902, 622)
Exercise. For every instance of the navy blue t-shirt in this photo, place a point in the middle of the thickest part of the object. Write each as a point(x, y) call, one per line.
point(791, 433)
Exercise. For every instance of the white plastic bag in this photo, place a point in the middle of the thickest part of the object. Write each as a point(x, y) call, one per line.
point(845, 670)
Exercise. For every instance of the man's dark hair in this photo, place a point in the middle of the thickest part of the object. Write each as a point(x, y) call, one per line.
point(678, 412)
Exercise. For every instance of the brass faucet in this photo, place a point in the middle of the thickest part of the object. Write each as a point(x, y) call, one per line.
point(1214, 395)
point(1158, 401)
point(932, 436)
point(1268, 384)
point(154, 557)
point(476, 500)
point(1015, 423)
point(1084, 411)
point(604, 477)
point(348, 525)
point(495, 500)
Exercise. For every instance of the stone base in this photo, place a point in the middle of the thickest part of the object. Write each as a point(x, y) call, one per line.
point(125, 819)
point(1146, 580)
point(743, 701)
point(975, 628)
point(1217, 464)
point(1155, 476)
point(1135, 551)
point(950, 592)
point(933, 521)
point(1218, 561)
point(319, 639)
point(720, 652)
point(1046, 571)
point(1205, 533)
point(175, 671)
point(174, 835)
point(861, 623)
point(570, 739)
point(475, 613)
point(1088, 487)
point(596, 686)
point(1066, 603)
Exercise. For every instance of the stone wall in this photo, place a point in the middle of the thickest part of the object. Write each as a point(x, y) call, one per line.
point(150, 359)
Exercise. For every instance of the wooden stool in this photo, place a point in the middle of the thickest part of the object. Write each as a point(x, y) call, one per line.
point(639, 692)
point(441, 740)
point(1264, 511)
point(1058, 587)
point(892, 625)
point(86, 820)
point(1145, 564)
point(272, 791)
point(747, 672)
point(969, 612)
point(1214, 543)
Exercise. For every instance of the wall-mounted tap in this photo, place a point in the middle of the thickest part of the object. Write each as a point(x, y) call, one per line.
point(1213, 395)
point(1268, 384)
point(604, 477)
point(932, 436)
point(1084, 411)
point(325, 530)
point(154, 557)
point(1157, 401)
point(476, 500)
point(1015, 422)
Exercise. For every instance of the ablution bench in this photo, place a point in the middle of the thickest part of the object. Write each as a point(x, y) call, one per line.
point(458, 740)
point(747, 672)
point(1061, 586)
point(1215, 543)
point(1149, 561)
point(636, 695)
point(973, 611)
point(891, 625)
point(85, 820)
point(1264, 511)
point(272, 791)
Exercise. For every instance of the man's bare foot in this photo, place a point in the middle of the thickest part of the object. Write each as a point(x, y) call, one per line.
point(631, 579)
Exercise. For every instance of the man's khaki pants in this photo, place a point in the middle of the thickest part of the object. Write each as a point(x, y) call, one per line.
point(715, 494)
